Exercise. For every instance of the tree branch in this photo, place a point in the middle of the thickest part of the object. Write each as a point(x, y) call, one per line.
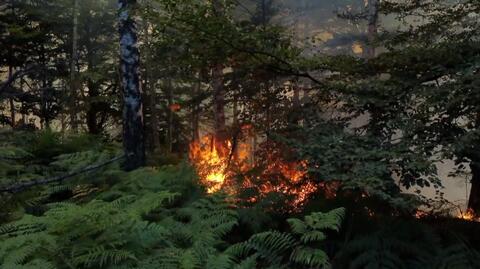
point(36, 182)
point(14, 76)
point(289, 70)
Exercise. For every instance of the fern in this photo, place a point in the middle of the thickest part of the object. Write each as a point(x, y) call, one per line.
point(459, 255)
point(126, 226)
point(410, 246)
point(100, 256)
point(309, 257)
point(297, 250)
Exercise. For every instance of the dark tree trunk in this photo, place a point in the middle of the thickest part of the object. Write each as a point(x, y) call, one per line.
point(152, 136)
point(219, 102)
point(73, 62)
point(170, 117)
point(372, 28)
point(12, 103)
point(12, 112)
point(95, 107)
point(44, 95)
point(474, 199)
point(154, 121)
point(474, 155)
point(219, 90)
point(133, 129)
point(196, 110)
point(45, 119)
point(296, 96)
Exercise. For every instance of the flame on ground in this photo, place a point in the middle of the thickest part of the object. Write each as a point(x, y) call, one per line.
point(216, 165)
point(210, 163)
point(468, 215)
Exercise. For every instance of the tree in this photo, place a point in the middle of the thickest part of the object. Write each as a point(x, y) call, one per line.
point(133, 132)
point(218, 85)
point(73, 67)
point(372, 30)
point(444, 62)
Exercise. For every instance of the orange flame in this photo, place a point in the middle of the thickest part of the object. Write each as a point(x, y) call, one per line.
point(468, 215)
point(215, 163)
point(210, 164)
point(175, 107)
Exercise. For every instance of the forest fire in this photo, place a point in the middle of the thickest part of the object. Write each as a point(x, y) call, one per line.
point(210, 163)
point(468, 215)
point(217, 164)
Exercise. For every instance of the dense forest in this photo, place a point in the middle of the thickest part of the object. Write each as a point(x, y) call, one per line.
point(229, 134)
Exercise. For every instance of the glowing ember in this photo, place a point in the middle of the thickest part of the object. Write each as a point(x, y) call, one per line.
point(468, 215)
point(289, 179)
point(419, 214)
point(175, 107)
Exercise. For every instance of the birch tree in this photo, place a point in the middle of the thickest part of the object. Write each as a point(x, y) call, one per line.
point(133, 129)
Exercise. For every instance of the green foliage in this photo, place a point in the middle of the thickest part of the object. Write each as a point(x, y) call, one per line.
point(33, 156)
point(407, 245)
point(298, 249)
point(362, 164)
point(151, 218)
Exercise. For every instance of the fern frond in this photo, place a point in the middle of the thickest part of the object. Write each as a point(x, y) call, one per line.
point(248, 263)
point(309, 257)
point(331, 220)
point(271, 245)
point(297, 226)
point(103, 257)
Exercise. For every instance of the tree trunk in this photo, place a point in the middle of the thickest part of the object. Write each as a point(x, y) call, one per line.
point(94, 126)
point(12, 103)
point(219, 89)
point(170, 116)
point(219, 103)
point(133, 129)
point(12, 112)
point(154, 122)
point(10, 78)
point(372, 28)
point(474, 199)
point(44, 96)
point(196, 110)
point(45, 118)
point(151, 135)
point(94, 105)
point(73, 62)
point(296, 96)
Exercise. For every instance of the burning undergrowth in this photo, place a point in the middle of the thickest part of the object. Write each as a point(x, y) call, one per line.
point(252, 176)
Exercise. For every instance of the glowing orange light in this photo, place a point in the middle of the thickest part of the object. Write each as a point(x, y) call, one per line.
point(246, 126)
point(175, 107)
point(420, 214)
point(468, 215)
point(216, 165)
point(209, 163)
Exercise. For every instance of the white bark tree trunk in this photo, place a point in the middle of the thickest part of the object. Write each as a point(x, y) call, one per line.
point(133, 128)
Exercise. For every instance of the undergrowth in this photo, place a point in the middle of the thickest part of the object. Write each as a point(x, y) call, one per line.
point(160, 217)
